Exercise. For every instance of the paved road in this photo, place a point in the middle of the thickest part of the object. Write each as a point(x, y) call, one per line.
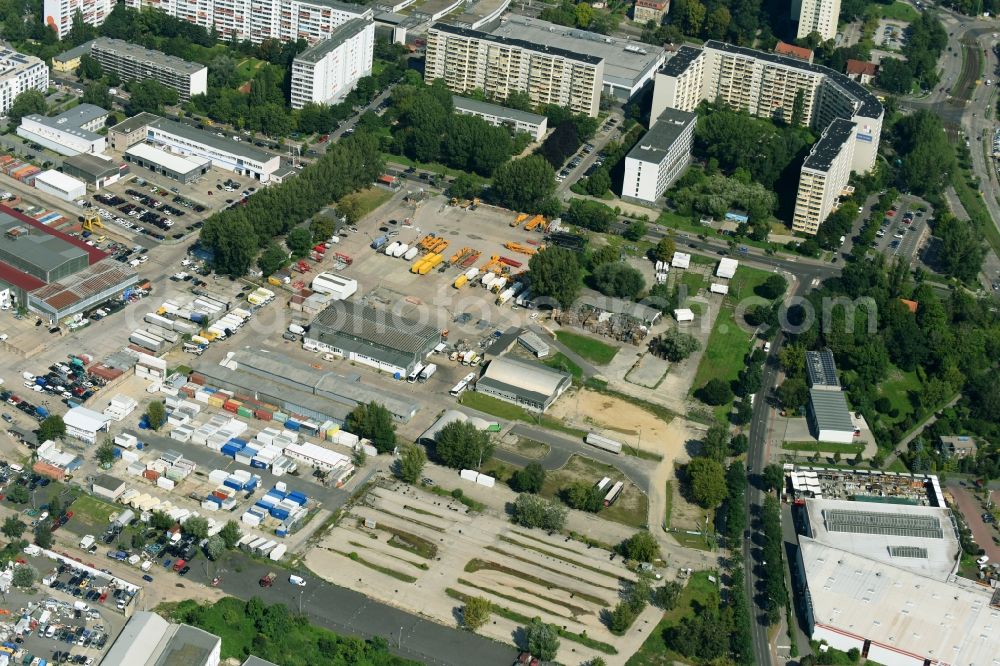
point(563, 446)
point(971, 509)
point(588, 370)
point(916, 432)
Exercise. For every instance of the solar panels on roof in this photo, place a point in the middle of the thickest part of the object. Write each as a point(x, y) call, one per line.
point(872, 522)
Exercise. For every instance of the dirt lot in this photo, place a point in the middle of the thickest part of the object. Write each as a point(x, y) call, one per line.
point(425, 553)
point(631, 507)
point(971, 508)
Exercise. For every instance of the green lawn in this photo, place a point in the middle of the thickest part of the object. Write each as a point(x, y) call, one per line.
point(560, 361)
point(370, 199)
point(898, 11)
point(897, 388)
point(505, 410)
point(699, 591)
point(93, 511)
point(824, 447)
point(247, 68)
point(693, 282)
point(632, 506)
point(589, 348)
point(727, 346)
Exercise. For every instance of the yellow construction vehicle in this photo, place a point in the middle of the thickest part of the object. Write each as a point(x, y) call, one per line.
point(460, 255)
point(439, 246)
point(535, 221)
point(519, 219)
point(492, 266)
point(523, 249)
point(92, 222)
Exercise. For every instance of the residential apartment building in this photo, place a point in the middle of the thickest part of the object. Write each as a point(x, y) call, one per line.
point(259, 20)
point(500, 116)
point(469, 60)
point(330, 69)
point(660, 157)
point(132, 62)
point(819, 16)
point(650, 10)
point(59, 13)
point(18, 73)
point(775, 86)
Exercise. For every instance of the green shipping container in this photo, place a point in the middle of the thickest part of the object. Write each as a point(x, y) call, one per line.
point(243, 411)
point(279, 417)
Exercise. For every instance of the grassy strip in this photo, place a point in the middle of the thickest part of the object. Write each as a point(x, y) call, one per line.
point(696, 595)
point(560, 361)
point(669, 505)
point(419, 565)
point(546, 543)
point(413, 520)
point(406, 578)
point(558, 557)
point(407, 541)
point(824, 447)
point(467, 501)
point(587, 347)
point(505, 410)
point(976, 209)
point(522, 619)
point(575, 611)
point(477, 564)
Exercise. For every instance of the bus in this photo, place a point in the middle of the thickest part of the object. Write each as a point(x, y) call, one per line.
point(457, 389)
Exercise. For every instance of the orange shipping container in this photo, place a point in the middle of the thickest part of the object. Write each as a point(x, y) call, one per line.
point(150, 474)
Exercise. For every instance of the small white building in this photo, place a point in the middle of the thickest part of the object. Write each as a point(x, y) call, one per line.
point(727, 268)
point(84, 424)
point(681, 260)
point(59, 184)
point(120, 407)
point(717, 288)
point(337, 286)
point(108, 487)
point(683, 315)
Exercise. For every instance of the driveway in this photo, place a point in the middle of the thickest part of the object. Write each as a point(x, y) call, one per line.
point(971, 508)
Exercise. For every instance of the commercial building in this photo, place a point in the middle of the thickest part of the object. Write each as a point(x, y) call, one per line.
point(530, 385)
point(660, 157)
point(97, 171)
point(500, 116)
point(84, 424)
point(472, 60)
point(149, 640)
point(132, 62)
point(771, 85)
point(824, 175)
point(628, 64)
point(108, 487)
point(70, 133)
point(893, 615)
point(237, 156)
point(821, 369)
point(650, 10)
point(384, 340)
point(819, 16)
point(59, 184)
point(59, 13)
point(69, 61)
point(176, 167)
point(260, 20)
point(637, 312)
point(830, 417)
point(325, 72)
point(18, 73)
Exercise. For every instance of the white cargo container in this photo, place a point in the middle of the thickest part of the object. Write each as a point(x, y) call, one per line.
point(400, 251)
point(411, 253)
point(391, 248)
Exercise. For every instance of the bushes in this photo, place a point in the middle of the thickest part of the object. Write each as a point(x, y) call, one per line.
point(533, 511)
point(618, 280)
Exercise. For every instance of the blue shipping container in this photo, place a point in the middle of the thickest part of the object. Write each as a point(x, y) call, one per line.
point(252, 483)
point(230, 450)
point(281, 531)
point(214, 499)
point(118, 452)
point(263, 507)
point(259, 464)
point(276, 494)
point(238, 442)
point(279, 513)
point(292, 424)
point(233, 483)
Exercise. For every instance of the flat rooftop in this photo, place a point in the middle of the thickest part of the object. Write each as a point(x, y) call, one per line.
point(655, 144)
point(142, 54)
point(177, 163)
point(519, 42)
point(135, 123)
point(953, 622)
point(921, 539)
point(73, 120)
point(241, 148)
point(93, 165)
point(477, 106)
point(625, 61)
point(825, 151)
point(830, 408)
point(681, 60)
point(34, 245)
point(341, 34)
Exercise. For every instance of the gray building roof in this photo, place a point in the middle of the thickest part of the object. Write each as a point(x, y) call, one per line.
point(451, 416)
point(33, 251)
point(141, 53)
point(135, 123)
point(638, 311)
point(825, 151)
point(257, 661)
point(92, 165)
point(681, 60)
point(241, 148)
point(821, 368)
point(476, 106)
point(137, 642)
point(384, 329)
point(532, 381)
point(186, 646)
point(519, 42)
point(340, 34)
point(73, 120)
point(656, 143)
point(73, 53)
point(108, 482)
point(830, 410)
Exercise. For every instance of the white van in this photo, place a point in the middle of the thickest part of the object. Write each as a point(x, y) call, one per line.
point(297, 580)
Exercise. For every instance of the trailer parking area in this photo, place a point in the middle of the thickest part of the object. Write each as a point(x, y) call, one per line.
point(426, 553)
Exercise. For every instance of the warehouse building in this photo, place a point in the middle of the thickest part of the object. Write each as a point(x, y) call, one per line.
point(829, 416)
point(97, 171)
point(892, 615)
point(149, 640)
point(60, 185)
point(532, 124)
point(108, 487)
point(129, 132)
point(70, 133)
point(660, 158)
point(387, 341)
point(449, 416)
point(132, 62)
point(822, 369)
point(176, 167)
point(530, 385)
point(84, 424)
point(326, 72)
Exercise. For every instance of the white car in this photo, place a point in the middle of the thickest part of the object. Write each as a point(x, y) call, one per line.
point(983, 560)
point(297, 580)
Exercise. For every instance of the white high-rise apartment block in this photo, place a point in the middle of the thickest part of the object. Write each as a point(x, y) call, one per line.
point(779, 87)
point(328, 70)
point(259, 20)
point(18, 73)
point(818, 16)
point(660, 157)
point(59, 13)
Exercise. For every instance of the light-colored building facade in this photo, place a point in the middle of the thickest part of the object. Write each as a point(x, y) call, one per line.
point(469, 60)
point(259, 20)
point(650, 10)
point(59, 13)
point(72, 132)
point(819, 16)
point(133, 62)
point(660, 157)
point(325, 72)
point(500, 116)
point(780, 87)
point(18, 73)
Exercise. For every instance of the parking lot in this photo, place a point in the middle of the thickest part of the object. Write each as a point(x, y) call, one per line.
point(904, 230)
point(891, 34)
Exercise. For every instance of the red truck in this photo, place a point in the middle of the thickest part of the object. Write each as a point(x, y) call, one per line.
point(179, 564)
point(268, 580)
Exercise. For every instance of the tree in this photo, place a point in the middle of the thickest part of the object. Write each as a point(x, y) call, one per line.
point(231, 534)
point(149, 95)
point(532, 511)
point(43, 535)
point(55, 507)
point(894, 75)
point(214, 547)
point(25, 104)
point(529, 479)
point(299, 241)
point(53, 427)
point(523, 184)
point(738, 445)
point(97, 93)
point(592, 215)
point(25, 575)
point(674, 345)
point(640, 547)
point(411, 463)
point(476, 613)
point(750, 380)
point(665, 249)
point(708, 482)
point(18, 494)
point(666, 597)
point(583, 496)
point(962, 248)
point(773, 477)
point(773, 287)
point(742, 411)
point(464, 187)
point(618, 280)
point(195, 527)
point(598, 183)
point(793, 393)
point(13, 528)
point(105, 453)
point(156, 415)
point(542, 640)
point(635, 231)
point(322, 228)
point(715, 392)
point(463, 446)
point(272, 259)
point(161, 521)
point(90, 68)
point(374, 422)
point(715, 443)
point(556, 274)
